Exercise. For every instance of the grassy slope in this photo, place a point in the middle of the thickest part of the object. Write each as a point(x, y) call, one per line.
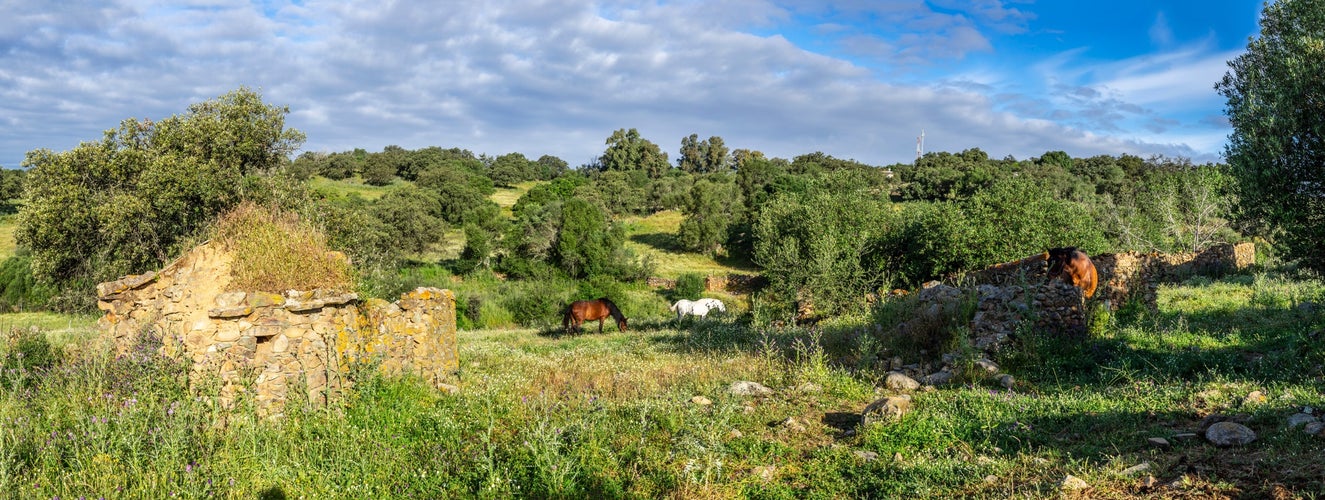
point(655, 237)
point(611, 416)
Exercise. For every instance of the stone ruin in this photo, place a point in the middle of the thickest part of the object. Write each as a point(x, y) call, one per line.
point(1011, 292)
point(277, 347)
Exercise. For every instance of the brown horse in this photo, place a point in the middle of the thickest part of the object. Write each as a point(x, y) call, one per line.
point(1073, 266)
point(588, 310)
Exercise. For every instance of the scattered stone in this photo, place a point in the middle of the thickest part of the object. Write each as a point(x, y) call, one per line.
point(887, 409)
point(1314, 429)
point(808, 388)
point(1073, 483)
point(734, 434)
point(867, 456)
point(938, 378)
point(1229, 434)
point(701, 401)
point(991, 479)
point(1149, 482)
point(1254, 398)
point(765, 472)
point(1137, 469)
point(1159, 442)
point(988, 366)
point(748, 407)
point(747, 388)
point(794, 425)
point(897, 457)
point(1301, 419)
point(898, 381)
point(1184, 436)
point(1007, 381)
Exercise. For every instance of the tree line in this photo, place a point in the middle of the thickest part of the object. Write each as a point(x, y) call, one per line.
point(821, 228)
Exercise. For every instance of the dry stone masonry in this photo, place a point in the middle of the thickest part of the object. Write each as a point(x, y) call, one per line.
point(272, 347)
point(1011, 294)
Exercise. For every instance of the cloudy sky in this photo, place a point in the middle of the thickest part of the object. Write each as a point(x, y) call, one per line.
point(854, 79)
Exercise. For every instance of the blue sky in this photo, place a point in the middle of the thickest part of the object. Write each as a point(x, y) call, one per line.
point(854, 79)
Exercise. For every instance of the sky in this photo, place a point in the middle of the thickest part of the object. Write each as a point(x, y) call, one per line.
point(855, 79)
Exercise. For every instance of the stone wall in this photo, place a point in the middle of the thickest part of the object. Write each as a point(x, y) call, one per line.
point(1127, 276)
point(276, 347)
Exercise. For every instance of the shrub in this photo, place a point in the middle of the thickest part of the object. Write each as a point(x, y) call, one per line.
point(27, 351)
point(274, 251)
point(689, 286)
point(18, 289)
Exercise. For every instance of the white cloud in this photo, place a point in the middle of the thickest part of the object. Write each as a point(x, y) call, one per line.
point(558, 76)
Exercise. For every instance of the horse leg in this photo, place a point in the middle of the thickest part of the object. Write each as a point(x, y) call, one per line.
point(600, 324)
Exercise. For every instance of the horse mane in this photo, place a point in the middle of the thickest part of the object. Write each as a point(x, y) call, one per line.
point(612, 308)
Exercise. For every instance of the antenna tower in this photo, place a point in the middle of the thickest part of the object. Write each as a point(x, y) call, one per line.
point(920, 145)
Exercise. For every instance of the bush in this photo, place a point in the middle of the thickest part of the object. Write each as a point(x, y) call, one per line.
point(689, 286)
point(538, 305)
point(27, 354)
point(19, 291)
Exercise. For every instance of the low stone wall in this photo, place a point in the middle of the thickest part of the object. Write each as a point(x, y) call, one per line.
point(275, 347)
point(1126, 276)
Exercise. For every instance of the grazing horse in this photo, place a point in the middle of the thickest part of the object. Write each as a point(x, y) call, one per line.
point(589, 310)
point(1073, 266)
point(713, 304)
point(697, 308)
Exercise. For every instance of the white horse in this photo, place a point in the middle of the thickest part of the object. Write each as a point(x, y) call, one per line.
point(698, 308)
point(713, 304)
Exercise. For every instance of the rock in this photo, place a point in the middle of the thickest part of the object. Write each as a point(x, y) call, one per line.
point(701, 400)
point(938, 378)
point(1136, 469)
point(886, 409)
point(1159, 442)
point(808, 388)
point(1072, 483)
point(1301, 419)
point(793, 425)
point(1254, 398)
point(1184, 436)
point(1149, 482)
point(230, 312)
point(747, 388)
point(765, 472)
point(230, 299)
point(991, 479)
point(898, 381)
point(734, 434)
point(1007, 381)
point(1229, 434)
point(867, 456)
point(1314, 429)
point(987, 366)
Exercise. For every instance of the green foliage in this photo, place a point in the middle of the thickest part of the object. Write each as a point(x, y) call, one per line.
point(27, 355)
point(19, 291)
point(703, 156)
point(713, 206)
point(127, 203)
point(510, 169)
point(1275, 95)
point(585, 241)
point(412, 217)
point(689, 286)
point(814, 244)
point(627, 151)
point(11, 183)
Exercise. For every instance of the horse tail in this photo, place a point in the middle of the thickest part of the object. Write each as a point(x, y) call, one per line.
point(674, 304)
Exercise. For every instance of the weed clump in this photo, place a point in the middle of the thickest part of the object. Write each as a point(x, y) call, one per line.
point(274, 251)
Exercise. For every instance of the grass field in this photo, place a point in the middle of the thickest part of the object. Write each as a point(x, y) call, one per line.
point(8, 224)
point(614, 415)
point(655, 237)
point(349, 187)
point(506, 197)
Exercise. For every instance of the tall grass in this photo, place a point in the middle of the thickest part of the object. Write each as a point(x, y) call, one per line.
point(275, 251)
point(611, 416)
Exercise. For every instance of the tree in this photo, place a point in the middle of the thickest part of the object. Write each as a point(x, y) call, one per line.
point(1276, 104)
point(127, 203)
point(510, 169)
point(627, 151)
point(552, 167)
point(711, 208)
point(412, 217)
